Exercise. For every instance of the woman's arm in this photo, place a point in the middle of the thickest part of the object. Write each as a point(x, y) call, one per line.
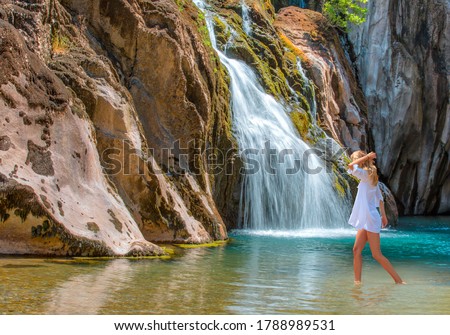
point(384, 219)
point(358, 161)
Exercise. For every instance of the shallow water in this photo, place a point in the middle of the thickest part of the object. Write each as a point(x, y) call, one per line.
point(265, 272)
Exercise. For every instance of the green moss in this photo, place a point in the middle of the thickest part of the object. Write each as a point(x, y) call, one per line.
point(347, 159)
point(202, 245)
point(180, 4)
point(269, 9)
point(221, 28)
point(301, 123)
point(203, 29)
point(168, 250)
point(305, 104)
point(340, 184)
point(296, 51)
point(290, 56)
point(339, 188)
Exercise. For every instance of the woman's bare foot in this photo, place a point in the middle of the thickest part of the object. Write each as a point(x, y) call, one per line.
point(357, 282)
point(401, 282)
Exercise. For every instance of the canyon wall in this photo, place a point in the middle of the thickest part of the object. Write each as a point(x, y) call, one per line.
point(107, 110)
point(402, 55)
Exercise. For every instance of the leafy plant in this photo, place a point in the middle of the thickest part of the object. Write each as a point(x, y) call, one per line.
point(342, 12)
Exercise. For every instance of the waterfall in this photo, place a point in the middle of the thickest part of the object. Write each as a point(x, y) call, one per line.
point(301, 3)
point(282, 188)
point(309, 85)
point(246, 21)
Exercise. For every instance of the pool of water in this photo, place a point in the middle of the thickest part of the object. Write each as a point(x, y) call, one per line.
point(258, 272)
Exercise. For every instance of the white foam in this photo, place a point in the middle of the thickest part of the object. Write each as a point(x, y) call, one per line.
point(302, 233)
point(312, 233)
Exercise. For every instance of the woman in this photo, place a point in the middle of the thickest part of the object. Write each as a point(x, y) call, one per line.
point(365, 216)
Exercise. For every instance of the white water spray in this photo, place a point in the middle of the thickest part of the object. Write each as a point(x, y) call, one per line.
point(246, 21)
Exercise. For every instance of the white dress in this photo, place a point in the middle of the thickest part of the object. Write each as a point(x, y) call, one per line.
point(364, 213)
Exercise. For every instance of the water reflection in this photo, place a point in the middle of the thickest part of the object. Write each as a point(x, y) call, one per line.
point(88, 293)
point(251, 275)
point(273, 283)
point(196, 283)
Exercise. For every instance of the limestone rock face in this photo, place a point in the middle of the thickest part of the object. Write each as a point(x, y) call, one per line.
point(180, 97)
point(402, 55)
point(94, 97)
point(340, 102)
point(54, 197)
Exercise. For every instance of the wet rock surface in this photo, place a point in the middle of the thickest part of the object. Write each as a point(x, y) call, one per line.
point(402, 55)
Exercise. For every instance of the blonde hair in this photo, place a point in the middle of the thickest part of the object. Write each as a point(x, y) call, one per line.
point(367, 165)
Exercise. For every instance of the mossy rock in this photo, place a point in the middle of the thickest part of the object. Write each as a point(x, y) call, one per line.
point(301, 123)
point(262, 51)
point(213, 244)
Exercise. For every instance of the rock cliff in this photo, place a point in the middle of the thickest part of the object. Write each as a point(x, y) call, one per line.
point(108, 108)
point(402, 55)
point(54, 197)
point(341, 104)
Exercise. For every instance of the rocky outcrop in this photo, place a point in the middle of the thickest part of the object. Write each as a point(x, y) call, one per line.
point(95, 97)
point(340, 102)
point(180, 97)
point(54, 198)
point(402, 55)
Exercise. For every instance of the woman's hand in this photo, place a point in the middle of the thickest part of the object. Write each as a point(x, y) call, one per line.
point(372, 155)
point(384, 220)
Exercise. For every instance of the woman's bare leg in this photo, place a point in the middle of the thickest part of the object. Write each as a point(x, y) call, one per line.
point(374, 241)
point(360, 242)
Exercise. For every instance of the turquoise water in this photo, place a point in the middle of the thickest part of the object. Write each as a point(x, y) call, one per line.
point(304, 272)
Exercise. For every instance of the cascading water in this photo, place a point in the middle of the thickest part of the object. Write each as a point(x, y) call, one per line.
point(299, 3)
point(282, 187)
point(312, 92)
point(246, 22)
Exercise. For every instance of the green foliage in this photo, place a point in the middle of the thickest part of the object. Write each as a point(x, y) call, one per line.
point(203, 245)
point(342, 12)
point(301, 122)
